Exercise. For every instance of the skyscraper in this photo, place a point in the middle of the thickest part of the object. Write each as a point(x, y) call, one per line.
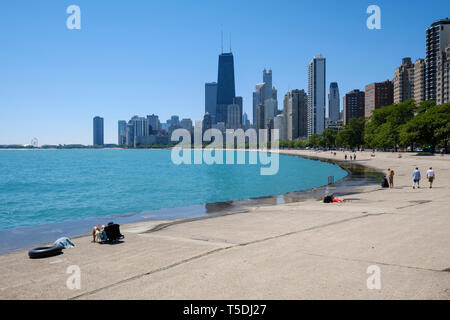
point(316, 95)
point(378, 95)
point(295, 115)
point(211, 99)
point(404, 81)
point(278, 124)
point(234, 117)
point(186, 123)
point(244, 120)
point(267, 79)
point(354, 102)
point(98, 131)
point(122, 134)
point(153, 122)
point(207, 122)
point(333, 102)
point(259, 124)
point(239, 102)
point(225, 86)
point(437, 37)
point(258, 98)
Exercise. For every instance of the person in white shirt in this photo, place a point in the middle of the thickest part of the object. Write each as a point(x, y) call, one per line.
point(430, 176)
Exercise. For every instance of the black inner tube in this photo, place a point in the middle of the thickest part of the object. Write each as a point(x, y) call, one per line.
point(43, 252)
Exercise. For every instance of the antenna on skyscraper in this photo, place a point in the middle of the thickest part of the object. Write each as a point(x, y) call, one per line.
point(230, 42)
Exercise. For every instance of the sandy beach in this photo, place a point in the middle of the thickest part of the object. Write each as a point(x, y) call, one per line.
point(301, 250)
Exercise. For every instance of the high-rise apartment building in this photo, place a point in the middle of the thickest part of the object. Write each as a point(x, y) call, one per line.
point(354, 102)
point(98, 132)
point(141, 126)
point(316, 95)
point(404, 81)
point(419, 80)
point(295, 114)
point(443, 76)
point(378, 95)
point(259, 96)
point(225, 86)
point(122, 132)
point(153, 122)
point(211, 99)
point(437, 37)
point(333, 102)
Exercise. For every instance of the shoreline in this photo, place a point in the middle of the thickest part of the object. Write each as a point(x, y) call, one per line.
point(197, 212)
point(307, 250)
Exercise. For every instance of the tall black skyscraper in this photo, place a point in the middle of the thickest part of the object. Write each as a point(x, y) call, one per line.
point(98, 131)
point(225, 86)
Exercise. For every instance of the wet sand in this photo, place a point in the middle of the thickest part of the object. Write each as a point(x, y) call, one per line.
point(290, 250)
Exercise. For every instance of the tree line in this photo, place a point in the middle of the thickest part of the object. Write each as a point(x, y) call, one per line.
point(425, 125)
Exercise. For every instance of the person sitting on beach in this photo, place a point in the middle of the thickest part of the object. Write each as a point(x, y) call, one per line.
point(98, 233)
point(430, 176)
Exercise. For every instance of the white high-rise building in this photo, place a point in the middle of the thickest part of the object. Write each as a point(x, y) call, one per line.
point(316, 95)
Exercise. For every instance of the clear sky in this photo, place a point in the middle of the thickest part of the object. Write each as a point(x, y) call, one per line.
point(141, 57)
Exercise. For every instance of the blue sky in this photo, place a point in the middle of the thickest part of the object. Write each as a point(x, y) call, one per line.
point(143, 57)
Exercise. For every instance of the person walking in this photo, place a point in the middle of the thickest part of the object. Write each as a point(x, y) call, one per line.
point(345, 157)
point(354, 156)
point(391, 174)
point(416, 178)
point(430, 176)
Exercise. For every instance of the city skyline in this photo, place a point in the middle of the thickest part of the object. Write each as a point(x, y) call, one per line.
point(56, 90)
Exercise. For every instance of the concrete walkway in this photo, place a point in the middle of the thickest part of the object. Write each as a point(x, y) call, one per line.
point(305, 250)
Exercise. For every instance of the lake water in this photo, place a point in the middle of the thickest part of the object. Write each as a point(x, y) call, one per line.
point(40, 187)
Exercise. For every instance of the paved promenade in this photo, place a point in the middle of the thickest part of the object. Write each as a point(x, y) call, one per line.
point(304, 250)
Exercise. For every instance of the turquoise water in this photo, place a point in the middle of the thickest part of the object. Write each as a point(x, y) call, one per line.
point(48, 186)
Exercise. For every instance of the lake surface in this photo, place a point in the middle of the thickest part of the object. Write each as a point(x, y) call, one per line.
point(39, 187)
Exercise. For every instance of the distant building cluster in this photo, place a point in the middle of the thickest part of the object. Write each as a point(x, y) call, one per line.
point(425, 79)
point(303, 112)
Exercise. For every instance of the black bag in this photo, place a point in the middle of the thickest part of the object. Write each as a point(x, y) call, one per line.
point(328, 199)
point(385, 183)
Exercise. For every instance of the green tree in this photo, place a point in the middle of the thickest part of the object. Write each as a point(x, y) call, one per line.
point(383, 127)
point(431, 127)
point(328, 138)
point(352, 135)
